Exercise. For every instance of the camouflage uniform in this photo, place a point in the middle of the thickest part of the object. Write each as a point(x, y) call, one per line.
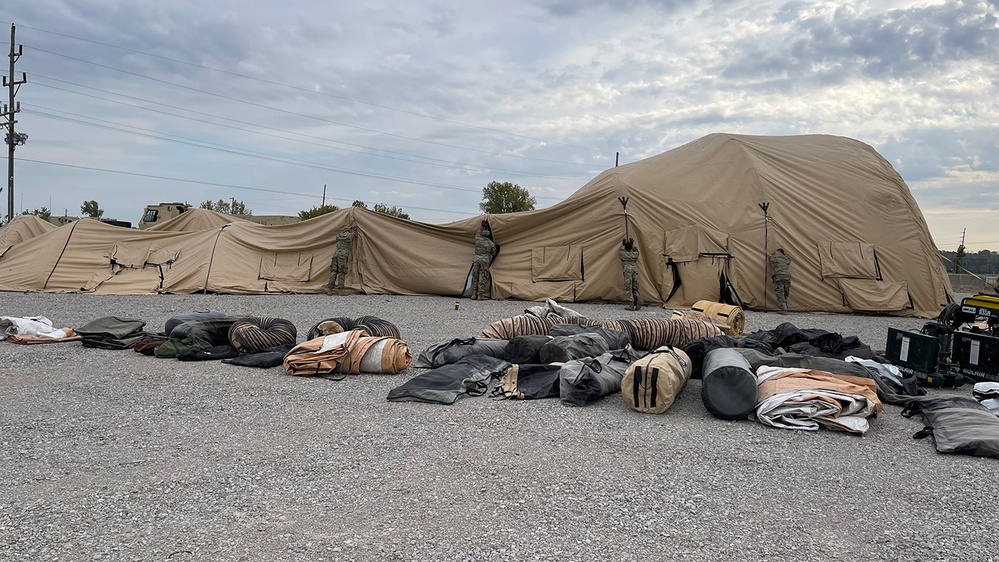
point(485, 249)
point(629, 260)
point(780, 263)
point(341, 259)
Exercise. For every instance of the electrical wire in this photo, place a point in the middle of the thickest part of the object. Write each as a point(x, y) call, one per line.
point(213, 184)
point(430, 161)
point(302, 115)
point(242, 152)
point(312, 91)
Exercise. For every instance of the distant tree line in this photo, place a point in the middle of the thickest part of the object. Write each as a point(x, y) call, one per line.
point(982, 262)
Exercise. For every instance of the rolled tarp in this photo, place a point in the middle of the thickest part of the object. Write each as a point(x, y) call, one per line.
point(731, 316)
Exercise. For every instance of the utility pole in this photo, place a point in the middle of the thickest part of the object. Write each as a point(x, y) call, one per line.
point(9, 110)
point(324, 195)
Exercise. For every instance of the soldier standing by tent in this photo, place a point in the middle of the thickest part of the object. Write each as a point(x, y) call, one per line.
point(341, 258)
point(629, 260)
point(485, 250)
point(781, 265)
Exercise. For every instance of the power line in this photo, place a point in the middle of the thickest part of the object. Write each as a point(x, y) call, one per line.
point(242, 152)
point(311, 91)
point(213, 184)
point(303, 115)
point(230, 150)
point(430, 162)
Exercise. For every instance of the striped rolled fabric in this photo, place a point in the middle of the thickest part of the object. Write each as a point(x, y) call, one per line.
point(522, 325)
point(330, 326)
point(255, 334)
point(649, 333)
point(371, 324)
point(377, 327)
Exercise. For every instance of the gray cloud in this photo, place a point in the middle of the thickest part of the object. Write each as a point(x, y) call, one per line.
point(895, 44)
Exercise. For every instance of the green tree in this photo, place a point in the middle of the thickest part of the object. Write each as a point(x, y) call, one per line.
point(42, 213)
point(391, 211)
point(506, 197)
point(959, 258)
point(382, 208)
point(229, 208)
point(317, 211)
point(92, 209)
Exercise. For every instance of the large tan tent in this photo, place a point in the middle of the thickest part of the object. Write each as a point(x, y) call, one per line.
point(844, 215)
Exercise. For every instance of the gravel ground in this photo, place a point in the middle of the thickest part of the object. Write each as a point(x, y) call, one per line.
point(111, 455)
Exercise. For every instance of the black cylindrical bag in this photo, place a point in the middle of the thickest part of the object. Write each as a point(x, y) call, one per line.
point(728, 385)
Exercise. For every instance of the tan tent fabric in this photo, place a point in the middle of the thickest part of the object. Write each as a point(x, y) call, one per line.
point(855, 260)
point(195, 219)
point(701, 198)
point(21, 228)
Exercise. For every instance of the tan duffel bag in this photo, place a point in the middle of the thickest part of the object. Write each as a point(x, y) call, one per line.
point(652, 383)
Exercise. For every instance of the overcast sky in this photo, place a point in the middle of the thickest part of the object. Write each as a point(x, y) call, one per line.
point(421, 104)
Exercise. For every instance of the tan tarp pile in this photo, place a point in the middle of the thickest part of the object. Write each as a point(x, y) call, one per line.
point(843, 214)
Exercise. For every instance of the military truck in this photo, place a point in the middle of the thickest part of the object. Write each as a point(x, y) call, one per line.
point(162, 212)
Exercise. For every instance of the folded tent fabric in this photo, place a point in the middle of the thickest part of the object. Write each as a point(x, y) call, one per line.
point(808, 399)
point(987, 394)
point(376, 354)
point(958, 424)
point(351, 352)
point(24, 326)
point(58, 336)
point(449, 351)
point(469, 376)
point(112, 332)
point(112, 327)
point(321, 356)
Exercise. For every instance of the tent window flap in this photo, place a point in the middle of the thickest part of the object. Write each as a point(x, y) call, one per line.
point(557, 263)
point(687, 243)
point(849, 260)
point(869, 295)
point(286, 267)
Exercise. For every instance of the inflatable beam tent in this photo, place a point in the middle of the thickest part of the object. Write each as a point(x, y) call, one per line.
point(847, 219)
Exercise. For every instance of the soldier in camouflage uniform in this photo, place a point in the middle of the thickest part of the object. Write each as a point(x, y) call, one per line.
point(485, 250)
point(341, 258)
point(780, 263)
point(629, 260)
